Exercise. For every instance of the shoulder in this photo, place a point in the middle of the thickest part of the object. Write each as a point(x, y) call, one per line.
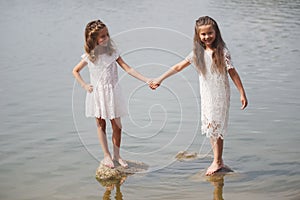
point(85, 57)
point(226, 51)
point(227, 54)
point(189, 57)
point(228, 60)
point(115, 52)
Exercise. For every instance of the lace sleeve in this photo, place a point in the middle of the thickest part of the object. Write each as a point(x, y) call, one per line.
point(189, 58)
point(228, 61)
point(85, 57)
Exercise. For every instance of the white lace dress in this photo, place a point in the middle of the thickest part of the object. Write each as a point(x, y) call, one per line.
point(106, 101)
point(215, 97)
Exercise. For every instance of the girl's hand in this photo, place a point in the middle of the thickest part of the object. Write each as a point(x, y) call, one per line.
point(149, 81)
point(244, 102)
point(151, 84)
point(88, 88)
point(154, 84)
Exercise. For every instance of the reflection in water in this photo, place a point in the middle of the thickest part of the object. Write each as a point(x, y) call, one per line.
point(218, 182)
point(114, 178)
point(110, 185)
point(262, 36)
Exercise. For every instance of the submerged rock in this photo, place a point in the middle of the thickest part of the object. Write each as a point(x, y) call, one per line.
point(104, 173)
point(225, 169)
point(184, 155)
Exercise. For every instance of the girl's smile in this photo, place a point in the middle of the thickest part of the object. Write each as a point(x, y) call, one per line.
point(207, 35)
point(103, 37)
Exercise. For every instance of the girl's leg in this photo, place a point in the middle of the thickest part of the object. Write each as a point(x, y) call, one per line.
point(217, 164)
point(101, 126)
point(116, 139)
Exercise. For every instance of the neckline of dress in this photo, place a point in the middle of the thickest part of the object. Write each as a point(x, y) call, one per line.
point(208, 51)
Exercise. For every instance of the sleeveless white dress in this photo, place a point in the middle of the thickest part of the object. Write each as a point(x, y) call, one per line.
point(106, 101)
point(215, 96)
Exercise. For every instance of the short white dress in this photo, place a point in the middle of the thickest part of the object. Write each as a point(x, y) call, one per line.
point(215, 96)
point(106, 101)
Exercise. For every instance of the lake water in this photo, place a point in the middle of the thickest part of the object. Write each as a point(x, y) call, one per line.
point(49, 150)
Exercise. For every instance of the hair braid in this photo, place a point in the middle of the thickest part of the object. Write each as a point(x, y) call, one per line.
point(92, 31)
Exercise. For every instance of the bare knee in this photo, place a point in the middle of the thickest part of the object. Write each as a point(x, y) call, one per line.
point(116, 125)
point(101, 123)
point(116, 129)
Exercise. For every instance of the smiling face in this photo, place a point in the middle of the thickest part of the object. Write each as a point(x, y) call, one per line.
point(103, 37)
point(207, 35)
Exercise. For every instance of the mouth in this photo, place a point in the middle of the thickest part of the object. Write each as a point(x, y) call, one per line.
point(208, 42)
point(104, 43)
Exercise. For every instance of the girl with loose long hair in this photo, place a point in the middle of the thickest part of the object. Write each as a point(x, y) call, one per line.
point(213, 63)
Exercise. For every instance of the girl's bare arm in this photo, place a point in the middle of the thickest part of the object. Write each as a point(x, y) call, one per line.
point(78, 77)
point(238, 83)
point(173, 70)
point(131, 71)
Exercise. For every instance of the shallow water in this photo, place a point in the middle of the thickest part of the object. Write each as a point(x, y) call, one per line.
point(49, 150)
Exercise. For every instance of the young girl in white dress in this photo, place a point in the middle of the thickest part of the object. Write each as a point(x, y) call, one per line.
point(104, 97)
point(213, 63)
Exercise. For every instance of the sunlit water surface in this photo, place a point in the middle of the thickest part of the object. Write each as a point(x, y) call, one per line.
point(49, 150)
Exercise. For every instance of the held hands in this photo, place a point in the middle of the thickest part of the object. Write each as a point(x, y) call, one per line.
point(153, 84)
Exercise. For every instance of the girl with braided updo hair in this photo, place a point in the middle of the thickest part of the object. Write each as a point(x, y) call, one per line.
point(104, 98)
point(213, 63)
point(91, 35)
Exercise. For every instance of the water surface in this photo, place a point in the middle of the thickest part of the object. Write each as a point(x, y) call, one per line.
point(49, 150)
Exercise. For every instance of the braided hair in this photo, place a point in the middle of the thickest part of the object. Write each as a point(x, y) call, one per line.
point(92, 31)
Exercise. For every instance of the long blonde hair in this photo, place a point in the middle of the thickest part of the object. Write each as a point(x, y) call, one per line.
point(92, 31)
point(218, 47)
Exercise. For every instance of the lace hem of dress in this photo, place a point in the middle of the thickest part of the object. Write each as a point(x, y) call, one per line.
point(213, 130)
point(107, 117)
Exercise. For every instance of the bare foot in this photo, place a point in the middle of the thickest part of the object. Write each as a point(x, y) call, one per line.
point(107, 161)
point(122, 180)
point(213, 168)
point(122, 162)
